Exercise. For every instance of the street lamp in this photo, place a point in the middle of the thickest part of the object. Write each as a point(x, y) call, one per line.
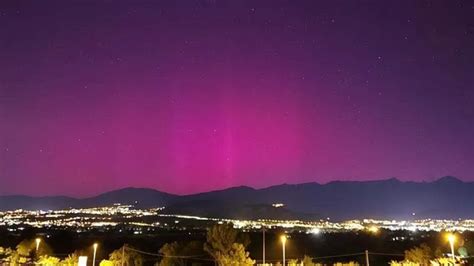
point(95, 251)
point(263, 242)
point(452, 239)
point(37, 241)
point(283, 243)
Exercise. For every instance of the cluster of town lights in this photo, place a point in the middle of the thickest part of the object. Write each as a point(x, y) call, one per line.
point(108, 218)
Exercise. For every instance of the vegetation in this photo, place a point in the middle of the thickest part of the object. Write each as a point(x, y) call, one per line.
point(403, 263)
point(71, 259)
point(48, 261)
point(227, 247)
point(223, 245)
point(130, 256)
point(177, 254)
point(423, 255)
point(25, 252)
point(106, 263)
point(307, 260)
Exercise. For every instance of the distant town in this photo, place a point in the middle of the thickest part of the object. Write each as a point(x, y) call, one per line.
point(127, 217)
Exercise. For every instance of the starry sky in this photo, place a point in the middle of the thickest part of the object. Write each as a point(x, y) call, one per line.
point(191, 96)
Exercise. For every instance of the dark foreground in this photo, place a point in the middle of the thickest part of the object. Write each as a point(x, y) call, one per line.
point(383, 246)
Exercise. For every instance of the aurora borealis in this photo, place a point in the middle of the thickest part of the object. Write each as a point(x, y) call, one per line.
point(190, 96)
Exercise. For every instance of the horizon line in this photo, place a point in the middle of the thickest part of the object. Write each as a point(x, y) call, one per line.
point(239, 186)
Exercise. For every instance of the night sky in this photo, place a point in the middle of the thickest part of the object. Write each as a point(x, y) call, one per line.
point(190, 96)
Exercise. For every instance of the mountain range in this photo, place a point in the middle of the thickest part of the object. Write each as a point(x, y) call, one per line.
point(447, 198)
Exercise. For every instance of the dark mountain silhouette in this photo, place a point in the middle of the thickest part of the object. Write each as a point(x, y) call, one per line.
point(140, 197)
point(447, 197)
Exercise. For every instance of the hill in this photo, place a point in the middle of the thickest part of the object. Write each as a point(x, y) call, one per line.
point(447, 197)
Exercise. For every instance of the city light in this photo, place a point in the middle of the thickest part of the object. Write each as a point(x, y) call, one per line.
point(130, 218)
point(127, 219)
point(95, 252)
point(373, 229)
point(283, 244)
point(37, 241)
point(451, 240)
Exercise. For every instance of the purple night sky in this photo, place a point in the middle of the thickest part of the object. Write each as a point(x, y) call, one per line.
point(189, 96)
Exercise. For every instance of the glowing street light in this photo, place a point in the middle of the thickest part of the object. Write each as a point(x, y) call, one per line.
point(37, 241)
point(283, 244)
point(95, 251)
point(452, 239)
point(263, 242)
point(373, 229)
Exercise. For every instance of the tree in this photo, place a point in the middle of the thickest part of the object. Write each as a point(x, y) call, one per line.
point(293, 262)
point(422, 255)
point(12, 258)
point(174, 253)
point(130, 258)
point(26, 248)
point(71, 259)
point(5, 252)
point(46, 260)
point(8, 256)
point(444, 261)
point(106, 263)
point(308, 261)
point(237, 256)
point(24, 252)
point(350, 263)
point(220, 239)
point(403, 263)
point(224, 243)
